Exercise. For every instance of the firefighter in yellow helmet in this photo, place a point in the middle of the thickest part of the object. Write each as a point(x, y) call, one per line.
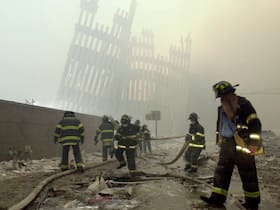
point(70, 133)
point(127, 138)
point(239, 136)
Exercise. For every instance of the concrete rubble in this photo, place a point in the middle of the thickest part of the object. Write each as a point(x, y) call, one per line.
point(99, 193)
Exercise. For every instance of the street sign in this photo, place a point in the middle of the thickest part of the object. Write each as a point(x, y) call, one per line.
point(153, 115)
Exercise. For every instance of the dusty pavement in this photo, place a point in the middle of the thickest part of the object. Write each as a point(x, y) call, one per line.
point(164, 193)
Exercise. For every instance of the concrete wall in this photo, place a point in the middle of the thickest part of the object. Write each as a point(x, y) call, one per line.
point(22, 124)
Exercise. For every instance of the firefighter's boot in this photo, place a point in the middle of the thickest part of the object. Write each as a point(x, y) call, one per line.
point(121, 165)
point(192, 170)
point(212, 201)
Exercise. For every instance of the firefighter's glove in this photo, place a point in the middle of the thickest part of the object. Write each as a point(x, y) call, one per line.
point(253, 149)
point(188, 137)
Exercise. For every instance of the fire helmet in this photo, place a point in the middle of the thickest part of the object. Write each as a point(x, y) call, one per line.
point(125, 119)
point(69, 114)
point(105, 118)
point(222, 88)
point(193, 116)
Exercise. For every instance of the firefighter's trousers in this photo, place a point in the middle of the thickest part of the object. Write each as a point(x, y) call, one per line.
point(107, 150)
point(147, 145)
point(130, 156)
point(191, 156)
point(65, 154)
point(246, 166)
point(140, 145)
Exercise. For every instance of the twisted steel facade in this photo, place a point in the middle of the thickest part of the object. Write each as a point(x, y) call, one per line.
point(109, 71)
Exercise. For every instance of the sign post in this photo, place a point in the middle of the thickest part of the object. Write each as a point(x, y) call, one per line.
point(154, 115)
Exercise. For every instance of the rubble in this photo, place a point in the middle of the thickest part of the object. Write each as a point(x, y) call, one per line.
point(96, 191)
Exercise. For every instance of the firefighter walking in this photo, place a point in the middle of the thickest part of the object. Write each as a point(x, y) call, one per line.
point(127, 139)
point(106, 129)
point(70, 133)
point(197, 143)
point(238, 134)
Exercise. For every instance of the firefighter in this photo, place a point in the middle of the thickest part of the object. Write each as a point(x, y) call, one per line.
point(126, 137)
point(70, 132)
point(27, 153)
point(106, 129)
point(146, 133)
point(239, 137)
point(137, 123)
point(197, 143)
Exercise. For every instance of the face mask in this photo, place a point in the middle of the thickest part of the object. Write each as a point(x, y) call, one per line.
point(192, 122)
point(124, 123)
point(230, 105)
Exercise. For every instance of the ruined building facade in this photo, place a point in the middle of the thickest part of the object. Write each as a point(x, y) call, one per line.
point(109, 71)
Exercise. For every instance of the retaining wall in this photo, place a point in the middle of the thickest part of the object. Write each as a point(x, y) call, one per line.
point(22, 124)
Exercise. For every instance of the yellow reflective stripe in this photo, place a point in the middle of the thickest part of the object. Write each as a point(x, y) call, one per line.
point(255, 136)
point(196, 145)
point(107, 131)
point(57, 135)
point(193, 137)
point(219, 191)
point(129, 137)
point(69, 138)
point(80, 125)
point(242, 149)
point(251, 117)
point(252, 194)
point(69, 118)
point(107, 140)
point(59, 126)
point(70, 127)
point(69, 143)
point(80, 165)
point(194, 166)
point(132, 147)
point(63, 166)
point(199, 134)
point(121, 146)
point(239, 126)
point(98, 130)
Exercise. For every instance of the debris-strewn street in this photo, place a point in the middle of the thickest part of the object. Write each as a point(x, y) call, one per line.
point(162, 187)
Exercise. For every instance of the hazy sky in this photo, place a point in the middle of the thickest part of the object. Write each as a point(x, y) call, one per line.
point(235, 40)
